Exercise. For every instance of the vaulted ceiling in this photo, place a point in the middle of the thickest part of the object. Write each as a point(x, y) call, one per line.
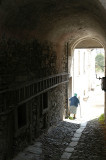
point(55, 20)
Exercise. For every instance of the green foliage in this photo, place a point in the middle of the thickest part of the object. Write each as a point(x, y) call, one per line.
point(99, 63)
point(71, 118)
point(102, 119)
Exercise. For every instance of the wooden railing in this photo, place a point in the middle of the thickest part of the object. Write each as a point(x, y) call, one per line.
point(25, 92)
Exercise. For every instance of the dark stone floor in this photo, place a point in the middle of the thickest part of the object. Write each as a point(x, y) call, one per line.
point(91, 145)
point(52, 145)
point(57, 139)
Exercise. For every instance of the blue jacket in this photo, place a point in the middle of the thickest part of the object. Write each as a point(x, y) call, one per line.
point(74, 101)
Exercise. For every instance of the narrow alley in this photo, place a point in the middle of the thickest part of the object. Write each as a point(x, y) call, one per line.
point(79, 139)
point(49, 50)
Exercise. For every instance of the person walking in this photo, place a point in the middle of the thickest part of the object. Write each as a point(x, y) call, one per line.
point(74, 101)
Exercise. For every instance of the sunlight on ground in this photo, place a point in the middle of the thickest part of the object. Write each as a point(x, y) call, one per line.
point(92, 108)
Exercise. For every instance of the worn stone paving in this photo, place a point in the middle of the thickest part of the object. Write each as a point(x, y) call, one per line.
point(74, 142)
point(68, 141)
point(57, 139)
point(51, 145)
point(91, 145)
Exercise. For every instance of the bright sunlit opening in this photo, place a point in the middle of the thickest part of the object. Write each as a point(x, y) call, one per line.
point(91, 95)
point(87, 63)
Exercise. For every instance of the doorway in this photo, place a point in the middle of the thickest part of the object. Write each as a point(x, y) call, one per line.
point(83, 79)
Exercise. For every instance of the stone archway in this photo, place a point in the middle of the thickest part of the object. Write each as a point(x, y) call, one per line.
point(81, 43)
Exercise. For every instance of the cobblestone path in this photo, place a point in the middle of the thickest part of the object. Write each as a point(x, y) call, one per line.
point(57, 139)
point(58, 143)
point(91, 145)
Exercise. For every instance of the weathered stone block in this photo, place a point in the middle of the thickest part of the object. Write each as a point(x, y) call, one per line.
point(66, 155)
point(69, 149)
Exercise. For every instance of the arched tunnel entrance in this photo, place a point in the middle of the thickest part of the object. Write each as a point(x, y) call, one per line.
point(83, 76)
point(37, 42)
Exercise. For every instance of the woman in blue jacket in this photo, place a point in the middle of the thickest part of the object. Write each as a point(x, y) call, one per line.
point(74, 101)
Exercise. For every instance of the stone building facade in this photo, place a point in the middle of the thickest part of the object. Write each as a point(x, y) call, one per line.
point(84, 72)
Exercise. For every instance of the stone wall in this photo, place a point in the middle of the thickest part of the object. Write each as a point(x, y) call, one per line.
point(23, 61)
point(57, 103)
point(41, 117)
